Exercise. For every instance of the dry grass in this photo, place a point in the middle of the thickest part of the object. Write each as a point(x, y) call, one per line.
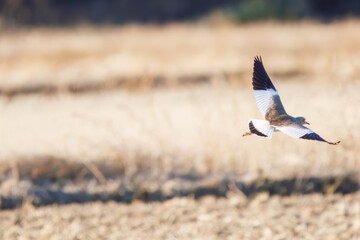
point(190, 129)
point(195, 128)
point(62, 56)
point(144, 133)
point(185, 130)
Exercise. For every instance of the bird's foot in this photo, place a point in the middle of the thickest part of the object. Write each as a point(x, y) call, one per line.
point(247, 134)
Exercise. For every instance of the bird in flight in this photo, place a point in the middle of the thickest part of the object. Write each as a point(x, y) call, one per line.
point(268, 100)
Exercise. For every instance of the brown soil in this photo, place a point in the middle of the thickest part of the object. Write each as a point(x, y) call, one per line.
point(312, 216)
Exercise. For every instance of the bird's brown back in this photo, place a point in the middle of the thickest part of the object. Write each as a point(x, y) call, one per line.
point(276, 108)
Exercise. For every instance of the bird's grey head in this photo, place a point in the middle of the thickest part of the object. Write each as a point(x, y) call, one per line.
point(302, 120)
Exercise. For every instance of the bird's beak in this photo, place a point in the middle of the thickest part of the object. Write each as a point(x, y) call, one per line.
point(307, 123)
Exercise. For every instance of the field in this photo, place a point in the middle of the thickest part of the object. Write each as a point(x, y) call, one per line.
point(148, 120)
point(298, 217)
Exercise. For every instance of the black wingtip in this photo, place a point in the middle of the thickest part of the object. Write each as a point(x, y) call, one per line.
point(261, 80)
point(334, 143)
point(316, 137)
point(257, 59)
point(313, 136)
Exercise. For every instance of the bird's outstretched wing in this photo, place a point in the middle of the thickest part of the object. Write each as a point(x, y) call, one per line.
point(266, 96)
point(298, 131)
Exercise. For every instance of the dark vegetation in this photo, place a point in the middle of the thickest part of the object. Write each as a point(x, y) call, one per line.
point(67, 12)
point(65, 182)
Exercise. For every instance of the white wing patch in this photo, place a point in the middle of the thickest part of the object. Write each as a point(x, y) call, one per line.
point(303, 133)
point(262, 127)
point(263, 98)
point(295, 132)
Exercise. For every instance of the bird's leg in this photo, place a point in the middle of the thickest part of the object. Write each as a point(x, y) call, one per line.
point(247, 134)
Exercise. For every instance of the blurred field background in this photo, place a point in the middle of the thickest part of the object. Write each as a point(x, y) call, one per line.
point(142, 108)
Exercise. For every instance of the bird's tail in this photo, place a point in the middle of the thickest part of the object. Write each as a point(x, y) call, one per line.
point(261, 128)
